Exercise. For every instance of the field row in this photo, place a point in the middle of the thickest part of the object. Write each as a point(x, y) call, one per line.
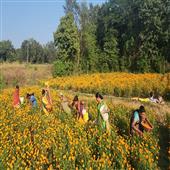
point(117, 84)
point(32, 140)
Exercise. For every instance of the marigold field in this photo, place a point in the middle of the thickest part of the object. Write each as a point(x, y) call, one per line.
point(118, 84)
point(32, 140)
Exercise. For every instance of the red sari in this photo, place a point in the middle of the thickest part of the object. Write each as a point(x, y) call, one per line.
point(16, 100)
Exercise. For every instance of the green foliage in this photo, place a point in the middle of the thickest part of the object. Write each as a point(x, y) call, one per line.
point(61, 68)
point(32, 51)
point(88, 43)
point(67, 40)
point(144, 35)
point(111, 53)
point(49, 52)
point(7, 51)
point(119, 35)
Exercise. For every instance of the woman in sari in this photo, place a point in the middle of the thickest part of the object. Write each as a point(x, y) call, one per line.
point(65, 106)
point(76, 106)
point(16, 99)
point(103, 113)
point(46, 101)
point(84, 113)
point(33, 100)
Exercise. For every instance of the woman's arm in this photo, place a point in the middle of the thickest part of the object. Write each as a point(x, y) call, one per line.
point(149, 123)
point(49, 95)
point(136, 129)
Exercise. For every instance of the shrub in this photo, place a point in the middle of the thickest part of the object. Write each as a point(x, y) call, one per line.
point(61, 68)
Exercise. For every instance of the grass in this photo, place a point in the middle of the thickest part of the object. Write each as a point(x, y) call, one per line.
point(24, 74)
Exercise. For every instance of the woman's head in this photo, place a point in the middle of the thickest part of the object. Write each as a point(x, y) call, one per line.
point(82, 104)
point(141, 109)
point(17, 87)
point(98, 96)
point(75, 100)
point(43, 92)
point(27, 95)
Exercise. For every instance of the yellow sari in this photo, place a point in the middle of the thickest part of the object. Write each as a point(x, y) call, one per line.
point(46, 106)
point(85, 118)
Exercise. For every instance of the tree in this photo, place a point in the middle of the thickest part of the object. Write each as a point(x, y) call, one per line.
point(88, 42)
point(49, 51)
point(152, 14)
point(107, 37)
point(62, 68)
point(71, 6)
point(66, 40)
point(143, 33)
point(32, 51)
point(7, 51)
point(126, 35)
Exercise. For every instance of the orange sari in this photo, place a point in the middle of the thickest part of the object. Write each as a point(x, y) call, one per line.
point(16, 100)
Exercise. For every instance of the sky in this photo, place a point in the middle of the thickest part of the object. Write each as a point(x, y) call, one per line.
point(38, 19)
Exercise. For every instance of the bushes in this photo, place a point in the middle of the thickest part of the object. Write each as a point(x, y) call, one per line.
point(61, 68)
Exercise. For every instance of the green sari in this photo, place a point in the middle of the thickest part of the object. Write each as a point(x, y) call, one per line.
point(100, 121)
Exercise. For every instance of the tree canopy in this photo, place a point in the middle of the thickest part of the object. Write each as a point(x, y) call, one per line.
point(119, 35)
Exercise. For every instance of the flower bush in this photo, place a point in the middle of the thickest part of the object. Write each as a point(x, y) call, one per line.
point(118, 84)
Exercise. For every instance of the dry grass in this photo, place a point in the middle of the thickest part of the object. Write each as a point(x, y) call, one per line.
point(24, 74)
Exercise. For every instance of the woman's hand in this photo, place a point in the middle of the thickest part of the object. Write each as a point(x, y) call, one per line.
point(140, 133)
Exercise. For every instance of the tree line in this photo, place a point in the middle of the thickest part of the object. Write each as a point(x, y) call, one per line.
point(119, 35)
point(31, 51)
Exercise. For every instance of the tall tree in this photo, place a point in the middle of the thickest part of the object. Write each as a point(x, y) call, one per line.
point(151, 12)
point(49, 51)
point(126, 35)
point(66, 39)
point(71, 6)
point(32, 51)
point(88, 43)
point(107, 37)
